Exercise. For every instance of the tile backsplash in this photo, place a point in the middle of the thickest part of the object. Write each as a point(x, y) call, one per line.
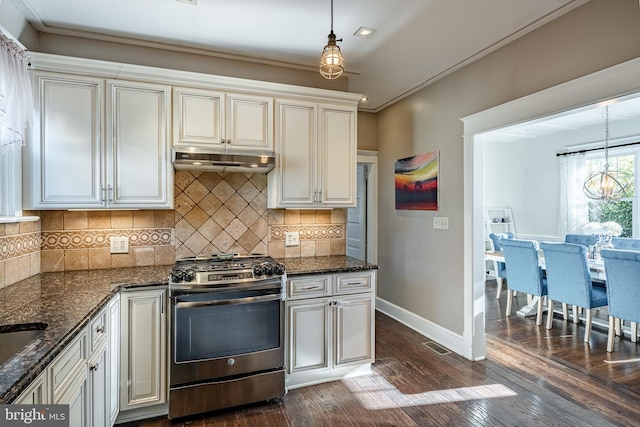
point(213, 213)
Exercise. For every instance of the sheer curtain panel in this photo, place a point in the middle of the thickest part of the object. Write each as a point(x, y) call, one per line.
point(574, 210)
point(16, 111)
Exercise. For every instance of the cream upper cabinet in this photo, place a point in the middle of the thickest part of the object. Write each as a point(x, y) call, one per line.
point(316, 156)
point(98, 143)
point(139, 170)
point(208, 118)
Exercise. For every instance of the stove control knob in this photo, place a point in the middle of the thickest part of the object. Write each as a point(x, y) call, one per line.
point(189, 275)
point(258, 270)
point(268, 269)
point(279, 269)
point(176, 276)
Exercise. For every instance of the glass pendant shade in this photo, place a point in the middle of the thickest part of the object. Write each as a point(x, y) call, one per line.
point(331, 63)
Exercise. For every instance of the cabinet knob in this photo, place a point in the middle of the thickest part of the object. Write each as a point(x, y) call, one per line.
point(94, 367)
point(100, 329)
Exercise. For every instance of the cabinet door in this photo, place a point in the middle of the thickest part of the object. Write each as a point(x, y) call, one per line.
point(354, 326)
point(138, 157)
point(36, 393)
point(337, 156)
point(309, 326)
point(64, 158)
point(293, 181)
point(198, 117)
point(76, 398)
point(113, 359)
point(98, 387)
point(249, 122)
point(143, 349)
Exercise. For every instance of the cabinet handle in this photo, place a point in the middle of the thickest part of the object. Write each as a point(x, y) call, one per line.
point(320, 196)
point(348, 284)
point(94, 367)
point(100, 329)
point(309, 288)
point(104, 193)
point(110, 193)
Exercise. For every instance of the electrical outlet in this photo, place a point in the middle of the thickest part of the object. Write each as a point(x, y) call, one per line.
point(119, 245)
point(441, 222)
point(292, 238)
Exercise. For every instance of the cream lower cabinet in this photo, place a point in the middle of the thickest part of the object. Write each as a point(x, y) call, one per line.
point(330, 327)
point(143, 354)
point(316, 156)
point(37, 393)
point(98, 143)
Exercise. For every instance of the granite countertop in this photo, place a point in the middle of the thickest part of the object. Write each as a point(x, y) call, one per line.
point(67, 301)
point(324, 265)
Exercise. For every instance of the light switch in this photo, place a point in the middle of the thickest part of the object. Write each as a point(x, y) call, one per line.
point(292, 238)
point(441, 222)
point(119, 245)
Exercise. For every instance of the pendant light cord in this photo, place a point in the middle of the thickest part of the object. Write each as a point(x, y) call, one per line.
point(606, 137)
point(332, 16)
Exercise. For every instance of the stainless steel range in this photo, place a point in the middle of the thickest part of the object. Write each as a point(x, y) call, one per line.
point(227, 332)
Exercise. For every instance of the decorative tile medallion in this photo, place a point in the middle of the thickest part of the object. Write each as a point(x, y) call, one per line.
point(19, 245)
point(87, 239)
point(309, 232)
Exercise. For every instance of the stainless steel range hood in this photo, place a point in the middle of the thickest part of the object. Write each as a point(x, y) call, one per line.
point(212, 161)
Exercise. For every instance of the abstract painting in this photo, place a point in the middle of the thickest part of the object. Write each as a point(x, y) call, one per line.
point(416, 180)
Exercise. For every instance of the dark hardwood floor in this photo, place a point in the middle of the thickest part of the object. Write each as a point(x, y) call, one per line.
point(531, 377)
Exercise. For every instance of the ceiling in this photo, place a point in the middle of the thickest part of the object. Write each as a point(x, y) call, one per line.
point(624, 122)
point(416, 42)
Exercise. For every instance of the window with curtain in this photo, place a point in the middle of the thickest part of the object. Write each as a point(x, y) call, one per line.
point(619, 211)
point(16, 110)
point(577, 210)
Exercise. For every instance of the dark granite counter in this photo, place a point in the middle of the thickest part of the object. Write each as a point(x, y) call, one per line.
point(324, 265)
point(66, 302)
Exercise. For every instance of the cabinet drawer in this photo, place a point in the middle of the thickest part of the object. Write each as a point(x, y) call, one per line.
point(98, 330)
point(68, 363)
point(309, 286)
point(348, 283)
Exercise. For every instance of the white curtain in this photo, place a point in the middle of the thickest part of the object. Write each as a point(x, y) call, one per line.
point(16, 111)
point(574, 211)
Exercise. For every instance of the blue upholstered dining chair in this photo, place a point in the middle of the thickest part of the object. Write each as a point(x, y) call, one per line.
point(581, 239)
point(524, 273)
point(501, 272)
point(623, 289)
point(625, 243)
point(569, 281)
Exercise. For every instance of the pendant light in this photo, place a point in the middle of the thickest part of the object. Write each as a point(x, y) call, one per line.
point(331, 63)
point(607, 184)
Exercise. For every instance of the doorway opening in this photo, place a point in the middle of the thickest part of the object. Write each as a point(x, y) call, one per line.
point(362, 223)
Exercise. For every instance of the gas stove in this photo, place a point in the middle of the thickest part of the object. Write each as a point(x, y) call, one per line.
point(224, 270)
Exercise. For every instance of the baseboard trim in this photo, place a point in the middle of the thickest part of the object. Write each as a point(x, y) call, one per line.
point(424, 327)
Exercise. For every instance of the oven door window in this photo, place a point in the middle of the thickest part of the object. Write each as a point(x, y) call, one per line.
point(212, 325)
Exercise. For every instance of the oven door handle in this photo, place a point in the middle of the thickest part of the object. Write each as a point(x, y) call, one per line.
point(246, 300)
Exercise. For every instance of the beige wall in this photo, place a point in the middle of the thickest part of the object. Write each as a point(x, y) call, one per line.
point(421, 269)
point(367, 131)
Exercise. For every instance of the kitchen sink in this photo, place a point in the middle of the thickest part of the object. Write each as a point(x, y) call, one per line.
point(13, 338)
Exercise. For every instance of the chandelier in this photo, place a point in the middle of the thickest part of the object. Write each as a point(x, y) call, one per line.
point(331, 63)
point(607, 184)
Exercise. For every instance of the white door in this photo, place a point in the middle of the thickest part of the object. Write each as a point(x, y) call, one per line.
point(356, 219)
